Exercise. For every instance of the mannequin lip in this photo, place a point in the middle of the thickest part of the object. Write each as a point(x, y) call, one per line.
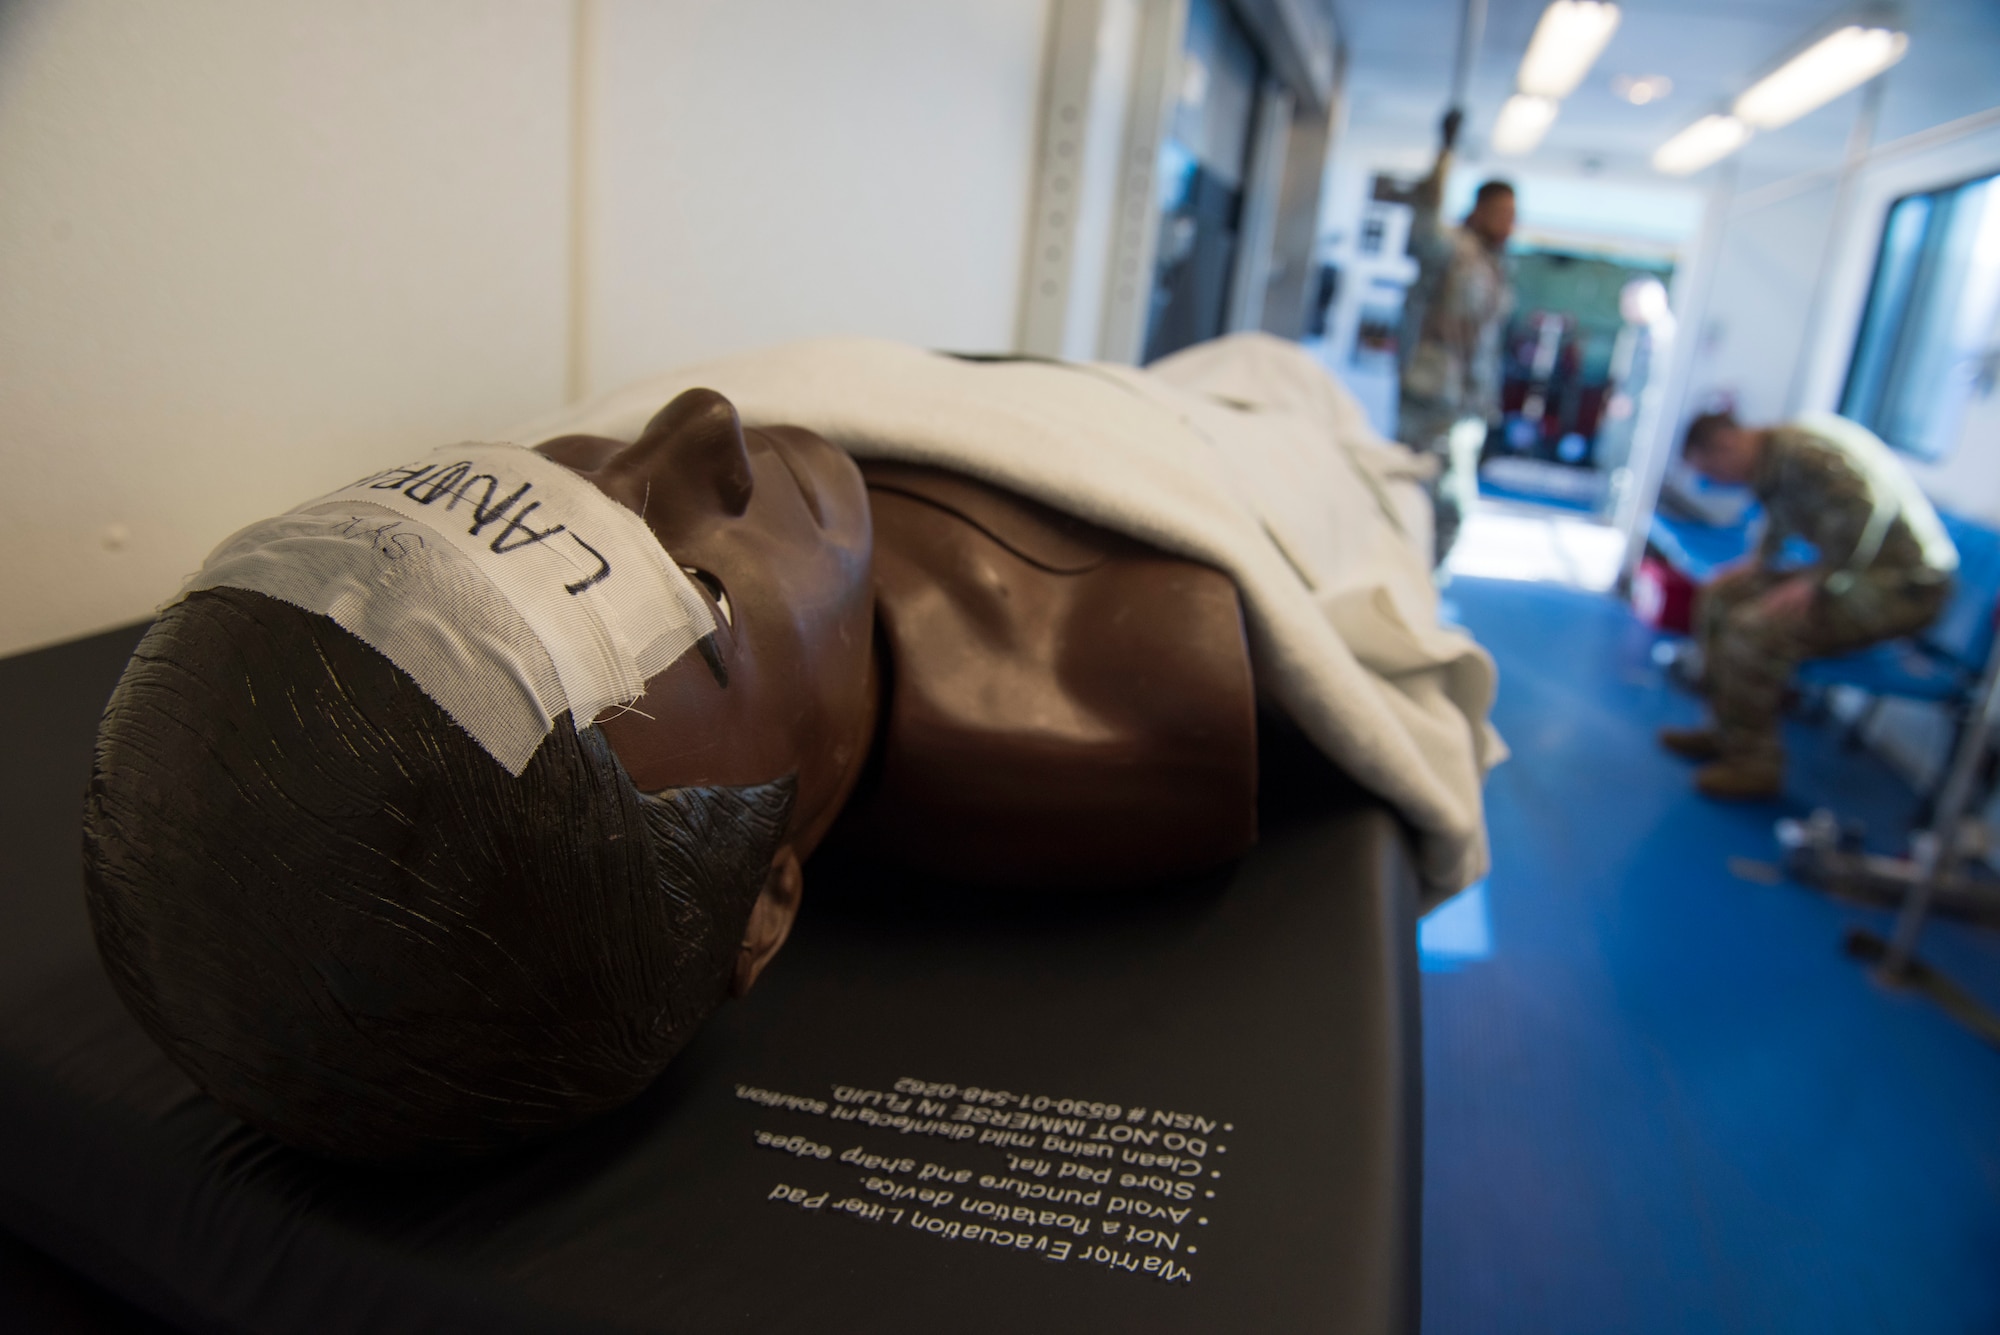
point(773, 696)
point(801, 478)
point(817, 466)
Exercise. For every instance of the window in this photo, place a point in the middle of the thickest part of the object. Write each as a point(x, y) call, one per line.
point(1928, 339)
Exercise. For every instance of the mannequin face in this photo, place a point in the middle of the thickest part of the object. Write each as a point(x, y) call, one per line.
point(774, 527)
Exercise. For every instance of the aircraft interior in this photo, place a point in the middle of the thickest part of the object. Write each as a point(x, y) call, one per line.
point(1088, 665)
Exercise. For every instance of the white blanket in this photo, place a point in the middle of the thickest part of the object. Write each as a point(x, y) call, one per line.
point(1243, 454)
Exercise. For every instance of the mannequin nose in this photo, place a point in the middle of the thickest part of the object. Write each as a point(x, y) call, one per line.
point(690, 458)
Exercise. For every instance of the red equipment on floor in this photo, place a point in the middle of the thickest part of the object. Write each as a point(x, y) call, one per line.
point(1663, 596)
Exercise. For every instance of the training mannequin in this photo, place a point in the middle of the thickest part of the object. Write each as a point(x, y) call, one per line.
point(1046, 703)
point(357, 931)
point(1141, 773)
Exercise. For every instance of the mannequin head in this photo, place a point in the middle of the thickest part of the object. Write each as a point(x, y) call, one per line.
point(354, 928)
point(773, 525)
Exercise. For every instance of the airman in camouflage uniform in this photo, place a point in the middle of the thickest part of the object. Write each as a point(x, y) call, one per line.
point(1883, 570)
point(1449, 350)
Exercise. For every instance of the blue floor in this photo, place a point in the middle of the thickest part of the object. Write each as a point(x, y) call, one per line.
point(1658, 1097)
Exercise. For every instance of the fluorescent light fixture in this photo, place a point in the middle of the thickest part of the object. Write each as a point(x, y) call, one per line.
point(1639, 89)
point(1567, 42)
point(1523, 121)
point(1823, 71)
point(1706, 141)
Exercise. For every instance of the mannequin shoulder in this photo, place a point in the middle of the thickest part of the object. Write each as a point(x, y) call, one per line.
point(1036, 533)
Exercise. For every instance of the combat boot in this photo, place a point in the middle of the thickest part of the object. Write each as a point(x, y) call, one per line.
point(1741, 779)
point(1692, 743)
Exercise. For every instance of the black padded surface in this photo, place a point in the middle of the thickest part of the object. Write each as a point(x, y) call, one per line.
point(40, 1297)
point(1275, 1002)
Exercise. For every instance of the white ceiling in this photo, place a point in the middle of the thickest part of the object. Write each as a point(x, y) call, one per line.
point(1401, 52)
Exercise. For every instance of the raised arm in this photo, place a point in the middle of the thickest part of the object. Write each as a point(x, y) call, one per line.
point(1427, 199)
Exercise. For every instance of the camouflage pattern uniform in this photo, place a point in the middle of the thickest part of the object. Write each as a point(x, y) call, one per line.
point(1449, 351)
point(1882, 573)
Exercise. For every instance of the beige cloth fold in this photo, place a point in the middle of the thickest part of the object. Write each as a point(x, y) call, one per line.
point(1243, 454)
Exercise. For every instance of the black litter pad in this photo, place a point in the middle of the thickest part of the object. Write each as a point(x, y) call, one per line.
point(1191, 1109)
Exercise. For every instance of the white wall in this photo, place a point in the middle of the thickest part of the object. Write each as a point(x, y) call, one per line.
point(773, 169)
point(252, 248)
point(1753, 333)
point(1968, 479)
point(247, 249)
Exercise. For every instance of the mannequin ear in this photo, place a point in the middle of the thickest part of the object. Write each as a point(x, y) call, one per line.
point(770, 920)
point(701, 431)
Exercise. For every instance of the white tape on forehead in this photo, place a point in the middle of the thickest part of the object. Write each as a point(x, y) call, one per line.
point(508, 587)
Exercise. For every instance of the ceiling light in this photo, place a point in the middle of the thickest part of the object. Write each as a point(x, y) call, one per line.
point(1708, 139)
point(1523, 121)
point(1639, 89)
point(1566, 44)
point(1820, 73)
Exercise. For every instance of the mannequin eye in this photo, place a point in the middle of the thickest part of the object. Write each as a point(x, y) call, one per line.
point(715, 591)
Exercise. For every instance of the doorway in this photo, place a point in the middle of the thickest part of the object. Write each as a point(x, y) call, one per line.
point(1204, 172)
